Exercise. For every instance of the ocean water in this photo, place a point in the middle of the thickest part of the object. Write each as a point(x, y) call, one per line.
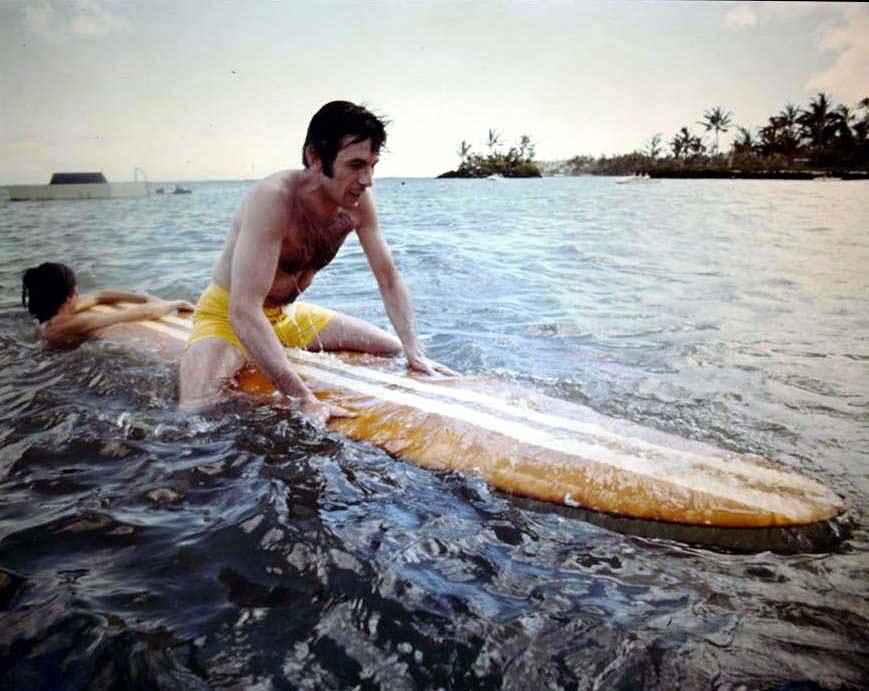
point(144, 548)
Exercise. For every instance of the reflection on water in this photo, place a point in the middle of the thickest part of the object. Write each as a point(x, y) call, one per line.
point(142, 548)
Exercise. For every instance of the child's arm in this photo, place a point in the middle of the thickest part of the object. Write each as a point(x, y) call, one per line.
point(110, 297)
point(81, 325)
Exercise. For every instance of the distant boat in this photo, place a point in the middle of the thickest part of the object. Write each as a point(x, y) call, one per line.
point(643, 177)
point(159, 190)
point(495, 177)
point(181, 190)
point(77, 186)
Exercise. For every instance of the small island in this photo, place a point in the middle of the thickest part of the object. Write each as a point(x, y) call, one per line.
point(516, 162)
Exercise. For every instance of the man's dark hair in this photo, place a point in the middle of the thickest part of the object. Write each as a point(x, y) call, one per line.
point(45, 288)
point(339, 119)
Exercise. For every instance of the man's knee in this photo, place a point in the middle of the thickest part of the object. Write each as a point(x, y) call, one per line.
point(349, 333)
point(205, 366)
point(392, 345)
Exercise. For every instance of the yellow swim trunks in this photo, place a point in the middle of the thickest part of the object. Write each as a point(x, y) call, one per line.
point(295, 325)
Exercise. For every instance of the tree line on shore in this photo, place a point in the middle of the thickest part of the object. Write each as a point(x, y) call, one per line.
point(821, 136)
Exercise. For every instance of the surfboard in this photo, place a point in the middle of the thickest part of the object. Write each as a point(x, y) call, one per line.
point(528, 444)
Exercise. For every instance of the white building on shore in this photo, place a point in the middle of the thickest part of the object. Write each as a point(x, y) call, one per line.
point(77, 186)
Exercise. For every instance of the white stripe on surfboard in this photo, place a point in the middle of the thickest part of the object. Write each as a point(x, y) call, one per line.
point(731, 464)
point(662, 469)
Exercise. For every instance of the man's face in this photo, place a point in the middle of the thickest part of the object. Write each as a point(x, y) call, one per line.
point(353, 172)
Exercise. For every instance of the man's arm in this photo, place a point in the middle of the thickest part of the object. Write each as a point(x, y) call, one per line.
point(396, 298)
point(254, 262)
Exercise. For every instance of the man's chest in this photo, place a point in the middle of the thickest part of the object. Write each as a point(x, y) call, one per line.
point(309, 247)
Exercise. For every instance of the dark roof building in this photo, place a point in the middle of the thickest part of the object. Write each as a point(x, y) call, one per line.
point(78, 179)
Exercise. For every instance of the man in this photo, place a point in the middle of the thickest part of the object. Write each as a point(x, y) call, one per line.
point(290, 225)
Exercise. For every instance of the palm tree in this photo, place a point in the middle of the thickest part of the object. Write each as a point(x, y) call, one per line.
point(842, 118)
point(696, 146)
point(818, 121)
point(464, 150)
point(716, 120)
point(770, 138)
point(842, 136)
point(789, 117)
point(494, 139)
point(861, 127)
point(744, 143)
point(526, 148)
point(861, 131)
point(653, 148)
point(787, 135)
point(685, 143)
point(678, 143)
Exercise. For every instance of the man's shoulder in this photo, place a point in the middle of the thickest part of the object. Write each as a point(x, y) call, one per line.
point(284, 184)
point(273, 194)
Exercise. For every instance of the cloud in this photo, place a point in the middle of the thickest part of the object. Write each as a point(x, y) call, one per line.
point(95, 19)
point(54, 19)
point(841, 29)
point(748, 15)
point(40, 17)
point(740, 17)
point(848, 77)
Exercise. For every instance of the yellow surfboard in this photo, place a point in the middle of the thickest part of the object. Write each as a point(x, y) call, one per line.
point(527, 444)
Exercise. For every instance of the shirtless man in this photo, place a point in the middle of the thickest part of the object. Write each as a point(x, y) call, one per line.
point(290, 225)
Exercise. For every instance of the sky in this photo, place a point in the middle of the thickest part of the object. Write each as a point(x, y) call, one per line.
point(219, 89)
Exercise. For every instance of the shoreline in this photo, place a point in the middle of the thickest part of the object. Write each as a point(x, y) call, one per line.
point(718, 174)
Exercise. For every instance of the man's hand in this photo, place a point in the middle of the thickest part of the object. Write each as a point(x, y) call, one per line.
point(320, 413)
point(420, 363)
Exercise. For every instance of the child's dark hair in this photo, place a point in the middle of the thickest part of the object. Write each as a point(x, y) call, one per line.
point(336, 120)
point(45, 288)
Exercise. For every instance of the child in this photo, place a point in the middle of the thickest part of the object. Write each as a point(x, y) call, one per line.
point(50, 293)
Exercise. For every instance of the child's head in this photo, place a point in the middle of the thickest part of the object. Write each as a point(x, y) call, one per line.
point(45, 288)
